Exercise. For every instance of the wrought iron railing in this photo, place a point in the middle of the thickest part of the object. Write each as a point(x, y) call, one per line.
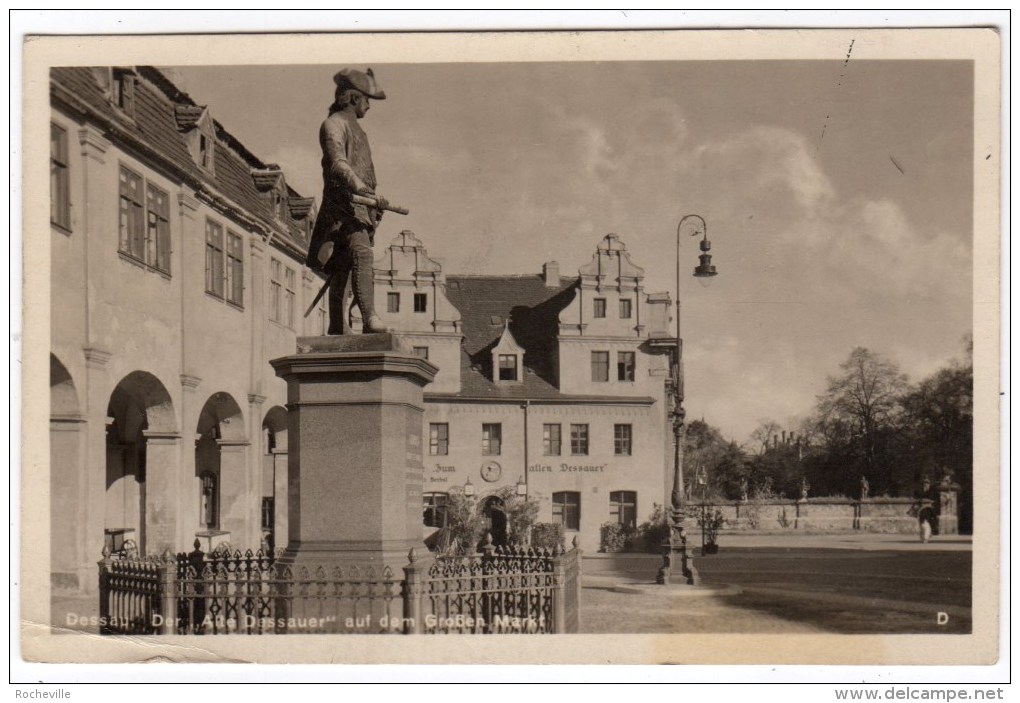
point(502, 590)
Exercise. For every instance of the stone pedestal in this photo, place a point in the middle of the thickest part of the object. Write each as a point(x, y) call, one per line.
point(354, 426)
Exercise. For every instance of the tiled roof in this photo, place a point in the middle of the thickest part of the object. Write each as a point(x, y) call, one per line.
point(485, 303)
point(161, 112)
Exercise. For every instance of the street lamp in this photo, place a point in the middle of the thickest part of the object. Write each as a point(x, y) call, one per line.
point(676, 562)
point(469, 488)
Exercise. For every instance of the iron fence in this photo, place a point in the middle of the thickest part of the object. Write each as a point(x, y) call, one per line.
point(501, 590)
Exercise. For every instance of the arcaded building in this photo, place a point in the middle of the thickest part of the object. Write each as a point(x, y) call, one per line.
point(177, 275)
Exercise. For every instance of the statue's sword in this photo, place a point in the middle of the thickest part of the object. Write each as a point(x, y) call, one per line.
point(357, 200)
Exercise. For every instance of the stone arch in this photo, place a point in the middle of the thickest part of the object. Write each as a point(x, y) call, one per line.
point(220, 484)
point(67, 479)
point(63, 394)
point(140, 411)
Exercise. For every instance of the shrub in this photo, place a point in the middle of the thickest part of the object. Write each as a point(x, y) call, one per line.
point(711, 523)
point(546, 535)
point(615, 537)
point(520, 514)
point(653, 533)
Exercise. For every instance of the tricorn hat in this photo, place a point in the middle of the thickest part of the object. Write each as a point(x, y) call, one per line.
point(361, 82)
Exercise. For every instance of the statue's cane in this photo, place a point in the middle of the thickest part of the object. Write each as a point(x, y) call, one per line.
point(357, 200)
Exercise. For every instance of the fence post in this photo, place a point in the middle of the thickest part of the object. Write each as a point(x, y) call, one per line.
point(168, 592)
point(559, 590)
point(412, 595)
point(104, 591)
point(577, 581)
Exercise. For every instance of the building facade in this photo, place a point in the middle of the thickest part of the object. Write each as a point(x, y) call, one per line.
point(552, 386)
point(176, 275)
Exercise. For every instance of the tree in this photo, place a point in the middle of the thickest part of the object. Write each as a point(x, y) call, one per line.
point(857, 415)
point(939, 425)
point(708, 454)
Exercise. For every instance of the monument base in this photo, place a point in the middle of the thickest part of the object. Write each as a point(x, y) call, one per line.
point(355, 476)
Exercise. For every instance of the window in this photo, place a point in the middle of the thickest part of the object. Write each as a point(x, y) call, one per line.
point(421, 302)
point(623, 507)
point(579, 440)
point(60, 188)
point(566, 509)
point(622, 440)
point(275, 290)
point(507, 367)
point(235, 269)
point(204, 151)
point(289, 296)
point(282, 287)
point(213, 259)
point(439, 439)
point(600, 366)
point(267, 513)
point(393, 302)
point(600, 307)
point(625, 366)
point(144, 222)
point(209, 498)
point(492, 438)
point(423, 352)
point(551, 440)
point(434, 514)
point(624, 308)
point(132, 208)
point(123, 91)
point(157, 229)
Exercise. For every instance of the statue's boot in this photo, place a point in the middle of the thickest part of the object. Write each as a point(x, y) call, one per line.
point(364, 290)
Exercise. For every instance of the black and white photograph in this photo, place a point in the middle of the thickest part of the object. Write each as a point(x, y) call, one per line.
point(425, 347)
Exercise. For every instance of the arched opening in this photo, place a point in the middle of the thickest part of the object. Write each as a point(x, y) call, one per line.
point(494, 511)
point(139, 407)
point(67, 432)
point(274, 478)
point(220, 486)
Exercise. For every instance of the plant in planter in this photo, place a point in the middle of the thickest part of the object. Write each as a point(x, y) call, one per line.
point(710, 523)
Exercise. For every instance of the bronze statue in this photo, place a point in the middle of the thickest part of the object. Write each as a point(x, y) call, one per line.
point(350, 212)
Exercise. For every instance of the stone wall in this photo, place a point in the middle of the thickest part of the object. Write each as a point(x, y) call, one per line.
point(886, 515)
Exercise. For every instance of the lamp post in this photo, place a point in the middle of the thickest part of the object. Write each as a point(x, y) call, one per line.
point(677, 566)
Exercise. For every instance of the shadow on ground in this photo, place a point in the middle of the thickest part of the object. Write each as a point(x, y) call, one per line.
point(791, 590)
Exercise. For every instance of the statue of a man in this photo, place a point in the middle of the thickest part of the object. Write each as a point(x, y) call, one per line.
point(345, 230)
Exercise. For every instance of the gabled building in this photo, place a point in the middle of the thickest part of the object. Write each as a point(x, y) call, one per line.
point(547, 384)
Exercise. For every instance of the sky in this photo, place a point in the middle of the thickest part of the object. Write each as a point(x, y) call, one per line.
point(837, 195)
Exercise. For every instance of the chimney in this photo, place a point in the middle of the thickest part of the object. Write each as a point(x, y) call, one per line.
point(551, 274)
point(784, 436)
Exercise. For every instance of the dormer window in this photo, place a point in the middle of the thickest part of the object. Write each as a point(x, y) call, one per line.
point(199, 130)
point(507, 359)
point(118, 84)
point(270, 182)
point(123, 91)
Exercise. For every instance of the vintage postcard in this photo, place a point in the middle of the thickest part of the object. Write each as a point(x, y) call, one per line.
point(536, 347)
